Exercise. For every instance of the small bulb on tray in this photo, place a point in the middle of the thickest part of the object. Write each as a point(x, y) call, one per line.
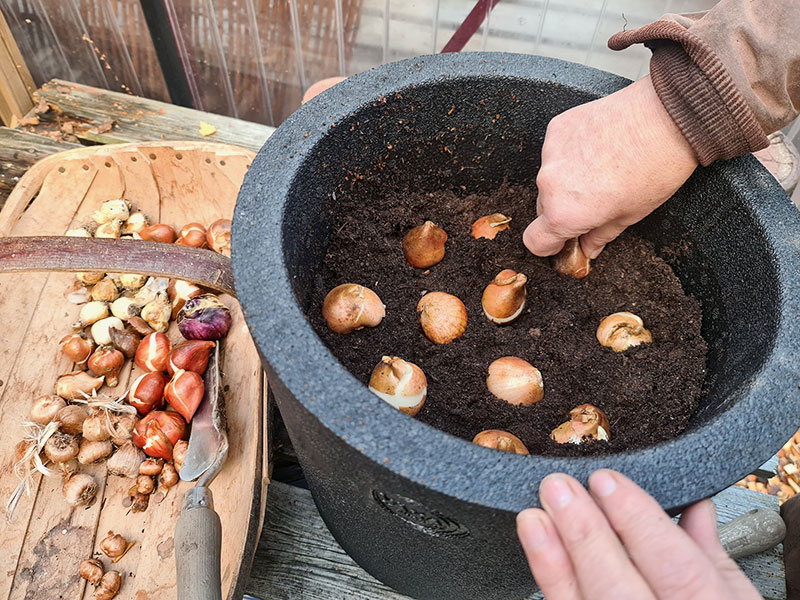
point(500, 440)
point(193, 235)
point(504, 298)
point(218, 237)
point(515, 380)
point(621, 331)
point(112, 210)
point(101, 330)
point(587, 422)
point(350, 307)
point(107, 362)
point(400, 383)
point(153, 352)
point(159, 232)
point(443, 317)
point(135, 223)
point(423, 246)
point(77, 348)
point(489, 226)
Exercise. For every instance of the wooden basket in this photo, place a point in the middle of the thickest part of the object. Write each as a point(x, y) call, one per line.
point(171, 182)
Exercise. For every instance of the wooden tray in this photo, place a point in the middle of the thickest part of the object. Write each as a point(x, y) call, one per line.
point(171, 182)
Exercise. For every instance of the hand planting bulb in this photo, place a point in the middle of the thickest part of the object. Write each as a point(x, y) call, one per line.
point(400, 383)
point(423, 246)
point(500, 440)
point(515, 380)
point(622, 330)
point(349, 307)
point(586, 423)
point(571, 260)
point(504, 298)
point(443, 317)
point(489, 226)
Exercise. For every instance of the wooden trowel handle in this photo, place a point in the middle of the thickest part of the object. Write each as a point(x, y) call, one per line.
point(54, 253)
point(198, 537)
point(753, 532)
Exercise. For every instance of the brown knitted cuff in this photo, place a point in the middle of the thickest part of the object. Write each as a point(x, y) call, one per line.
point(697, 91)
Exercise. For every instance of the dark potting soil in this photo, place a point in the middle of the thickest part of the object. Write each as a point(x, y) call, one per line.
point(648, 392)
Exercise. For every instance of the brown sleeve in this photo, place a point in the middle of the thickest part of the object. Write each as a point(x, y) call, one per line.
point(728, 76)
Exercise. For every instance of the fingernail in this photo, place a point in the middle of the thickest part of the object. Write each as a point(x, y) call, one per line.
point(602, 483)
point(554, 491)
point(595, 253)
point(532, 532)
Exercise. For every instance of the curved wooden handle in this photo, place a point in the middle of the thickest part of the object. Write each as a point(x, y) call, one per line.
point(198, 537)
point(753, 532)
point(54, 253)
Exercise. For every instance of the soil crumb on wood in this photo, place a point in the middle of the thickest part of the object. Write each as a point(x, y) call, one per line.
point(649, 393)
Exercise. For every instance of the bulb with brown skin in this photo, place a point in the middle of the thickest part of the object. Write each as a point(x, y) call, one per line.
point(105, 290)
point(218, 237)
point(179, 454)
point(192, 355)
point(79, 489)
point(151, 466)
point(621, 331)
point(140, 326)
point(153, 352)
point(515, 380)
point(350, 307)
point(96, 427)
point(125, 340)
point(123, 427)
point(77, 385)
point(107, 362)
point(89, 277)
point(126, 460)
point(109, 586)
point(443, 317)
point(193, 235)
point(93, 451)
point(423, 246)
point(145, 484)
point(61, 447)
point(500, 440)
point(504, 298)
point(179, 292)
point(159, 232)
point(571, 260)
point(77, 348)
point(168, 476)
point(91, 570)
point(586, 423)
point(135, 223)
point(114, 545)
point(71, 418)
point(45, 408)
point(489, 226)
point(399, 383)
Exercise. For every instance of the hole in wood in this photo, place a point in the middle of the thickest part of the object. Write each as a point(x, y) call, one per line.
point(85, 167)
point(108, 164)
point(179, 156)
point(208, 161)
point(222, 162)
point(133, 159)
point(152, 156)
point(61, 169)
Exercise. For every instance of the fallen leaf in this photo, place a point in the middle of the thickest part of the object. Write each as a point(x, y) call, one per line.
point(206, 129)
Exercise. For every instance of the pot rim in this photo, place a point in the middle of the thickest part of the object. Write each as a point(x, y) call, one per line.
point(694, 465)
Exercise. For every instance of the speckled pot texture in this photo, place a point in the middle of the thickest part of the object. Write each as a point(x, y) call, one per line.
point(427, 513)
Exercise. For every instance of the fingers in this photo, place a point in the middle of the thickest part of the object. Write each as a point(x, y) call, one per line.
point(665, 555)
point(549, 562)
point(542, 238)
point(592, 243)
point(603, 568)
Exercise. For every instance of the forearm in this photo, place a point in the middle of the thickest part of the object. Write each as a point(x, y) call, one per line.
point(728, 76)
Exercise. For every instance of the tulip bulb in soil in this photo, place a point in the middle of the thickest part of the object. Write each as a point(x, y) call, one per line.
point(515, 380)
point(204, 317)
point(504, 298)
point(350, 307)
point(587, 422)
point(443, 317)
point(571, 260)
point(423, 246)
point(400, 383)
point(500, 440)
point(489, 226)
point(621, 331)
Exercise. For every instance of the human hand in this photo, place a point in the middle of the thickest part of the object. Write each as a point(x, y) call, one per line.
point(617, 543)
point(606, 165)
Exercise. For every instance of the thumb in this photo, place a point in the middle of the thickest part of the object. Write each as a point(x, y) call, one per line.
point(592, 243)
point(541, 239)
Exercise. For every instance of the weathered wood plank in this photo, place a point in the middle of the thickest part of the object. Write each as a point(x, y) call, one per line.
point(140, 119)
point(298, 558)
point(16, 83)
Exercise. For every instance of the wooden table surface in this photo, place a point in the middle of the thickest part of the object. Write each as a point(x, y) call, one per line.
point(297, 558)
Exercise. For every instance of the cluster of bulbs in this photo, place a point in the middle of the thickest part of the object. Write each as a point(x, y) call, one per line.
point(443, 318)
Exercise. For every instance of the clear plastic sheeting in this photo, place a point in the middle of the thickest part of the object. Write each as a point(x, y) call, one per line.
point(253, 59)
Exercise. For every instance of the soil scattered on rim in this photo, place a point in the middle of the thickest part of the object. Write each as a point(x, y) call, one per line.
point(649, 392)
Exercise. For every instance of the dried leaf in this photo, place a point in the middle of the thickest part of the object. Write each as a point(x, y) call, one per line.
point(207, 129)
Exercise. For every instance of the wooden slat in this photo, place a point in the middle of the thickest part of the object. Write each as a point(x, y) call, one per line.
point(139, 119)
point(16, 83)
